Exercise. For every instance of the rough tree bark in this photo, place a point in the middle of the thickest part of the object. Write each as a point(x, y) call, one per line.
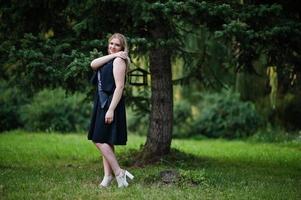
point(160, 130)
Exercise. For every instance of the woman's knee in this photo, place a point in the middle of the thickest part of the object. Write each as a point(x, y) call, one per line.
point(104, 147)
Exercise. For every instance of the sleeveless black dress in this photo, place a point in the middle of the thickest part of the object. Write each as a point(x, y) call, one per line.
point(100, 132)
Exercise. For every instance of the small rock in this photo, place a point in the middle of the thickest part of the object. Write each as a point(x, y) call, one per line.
point(169, 176)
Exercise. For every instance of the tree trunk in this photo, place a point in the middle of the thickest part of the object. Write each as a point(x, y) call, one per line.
point(160, 130)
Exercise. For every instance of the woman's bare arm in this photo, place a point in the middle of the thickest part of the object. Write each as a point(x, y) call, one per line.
point(98, 62)
point(119, 71)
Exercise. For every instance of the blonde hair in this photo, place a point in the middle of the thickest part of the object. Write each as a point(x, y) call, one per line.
point(122, 39)
point(124, 44)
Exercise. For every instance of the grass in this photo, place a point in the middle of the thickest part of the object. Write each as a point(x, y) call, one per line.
point(56, 166)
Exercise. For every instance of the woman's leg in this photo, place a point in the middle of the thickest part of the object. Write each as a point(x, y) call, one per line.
point(110, 158)
point(106, 165)
point(111, 161)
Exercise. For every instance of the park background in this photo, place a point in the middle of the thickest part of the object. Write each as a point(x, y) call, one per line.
point(214, 112)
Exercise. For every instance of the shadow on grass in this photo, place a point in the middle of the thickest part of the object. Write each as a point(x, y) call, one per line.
point(175, 158)
point(184, 161)
point(179, 158)
point(184, 169)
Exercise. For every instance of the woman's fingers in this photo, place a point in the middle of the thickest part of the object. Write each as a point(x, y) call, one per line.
point(122, 54)
point(109, 117)
point(108, 120)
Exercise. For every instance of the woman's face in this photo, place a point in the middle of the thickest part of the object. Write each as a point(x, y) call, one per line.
point(114, 46)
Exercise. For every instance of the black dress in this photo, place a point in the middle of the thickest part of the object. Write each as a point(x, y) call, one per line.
point(99, 132)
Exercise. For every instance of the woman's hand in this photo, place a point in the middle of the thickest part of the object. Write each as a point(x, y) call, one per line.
point(98, 62)
point(109, 117)
point(122, 54)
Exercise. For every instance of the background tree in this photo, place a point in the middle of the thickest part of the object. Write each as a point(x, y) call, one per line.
point(55, 48)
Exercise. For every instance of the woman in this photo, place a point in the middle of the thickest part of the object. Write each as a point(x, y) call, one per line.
point(108, 123)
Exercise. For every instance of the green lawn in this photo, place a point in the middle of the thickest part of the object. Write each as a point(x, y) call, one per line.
point(56, 166)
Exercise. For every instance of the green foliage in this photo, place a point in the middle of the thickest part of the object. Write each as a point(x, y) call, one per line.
point(275, 135)
point(60, 40)
point(48, 63)
point(32, 16)
point(225, 115)
point(11, 100)
point(248, 38)
point(182, 120)
point(53, 110)
point(138, 107)
point(37, 63)
point(289, 112)
point(193, 177)
point(137, 122)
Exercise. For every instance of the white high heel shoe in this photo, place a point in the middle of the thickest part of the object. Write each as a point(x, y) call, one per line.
point(106, 181)
point(121, 178)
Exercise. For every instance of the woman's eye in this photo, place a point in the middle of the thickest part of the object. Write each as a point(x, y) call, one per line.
point(111, 43)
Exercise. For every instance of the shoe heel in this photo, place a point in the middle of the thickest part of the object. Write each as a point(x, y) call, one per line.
point(128, 174)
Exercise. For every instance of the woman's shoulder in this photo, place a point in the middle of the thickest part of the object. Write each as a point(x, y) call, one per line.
point(118, 61)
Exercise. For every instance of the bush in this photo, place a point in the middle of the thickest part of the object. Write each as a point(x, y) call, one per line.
point(275, 134)
point(225, 115)
point(53, 110)
point(137, 122)
point(182, 119)
point(11, 99)
point(289, 112)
